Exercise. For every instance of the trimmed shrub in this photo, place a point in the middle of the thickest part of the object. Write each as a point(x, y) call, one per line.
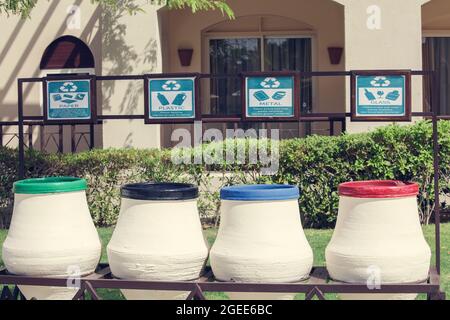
point(317, 164)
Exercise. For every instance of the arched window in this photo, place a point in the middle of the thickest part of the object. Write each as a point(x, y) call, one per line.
point(67, 52)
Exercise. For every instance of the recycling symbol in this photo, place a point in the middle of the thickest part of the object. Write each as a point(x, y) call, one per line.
point(171, 85)
point(68, 87)
point(380, 82)
point(269, 83)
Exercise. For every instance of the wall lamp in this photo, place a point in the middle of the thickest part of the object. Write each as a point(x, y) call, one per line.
point(335, 54)
point(185, 56)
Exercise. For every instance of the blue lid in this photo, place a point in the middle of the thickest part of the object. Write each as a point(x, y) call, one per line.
point(260, 192)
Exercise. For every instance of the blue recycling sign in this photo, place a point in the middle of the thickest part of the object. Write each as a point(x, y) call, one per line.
point(269, 96)
point(69, 100)
point(171, 98)
point(381, 95)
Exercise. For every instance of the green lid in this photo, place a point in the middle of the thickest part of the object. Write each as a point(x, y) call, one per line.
point(50, 185)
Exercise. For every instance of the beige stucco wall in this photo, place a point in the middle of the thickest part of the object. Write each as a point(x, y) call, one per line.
point(323, 20)
point(130, 45)
point(120, 43)
point(324, 17)
point(394, 41)
point(22, 44)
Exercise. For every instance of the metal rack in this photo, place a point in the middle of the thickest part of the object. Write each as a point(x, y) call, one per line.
point(317, 285)
point(319, 282)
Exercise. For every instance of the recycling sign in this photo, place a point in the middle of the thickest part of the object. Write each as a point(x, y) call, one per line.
point(171, 98)
point(269, 96)
point(380, 95)
point(68, 100)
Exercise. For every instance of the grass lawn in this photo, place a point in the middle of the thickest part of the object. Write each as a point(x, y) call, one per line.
point(318, 240)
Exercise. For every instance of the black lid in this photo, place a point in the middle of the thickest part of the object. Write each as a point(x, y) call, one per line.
point(160, 191)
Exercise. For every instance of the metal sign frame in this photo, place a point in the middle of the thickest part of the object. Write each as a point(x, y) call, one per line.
point(92, 98)
point(196, 94)
point(377, 118)
point(295, 96)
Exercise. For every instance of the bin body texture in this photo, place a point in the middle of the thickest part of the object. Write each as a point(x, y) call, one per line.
point(261, 239)
point(378, 238)
point(158, 240)
point(51, 235)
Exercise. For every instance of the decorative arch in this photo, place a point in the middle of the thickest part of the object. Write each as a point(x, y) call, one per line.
point(436, 16)
point(67, 52)
point(259, 23)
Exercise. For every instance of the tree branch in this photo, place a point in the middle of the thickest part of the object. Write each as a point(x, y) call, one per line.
point(24, 7)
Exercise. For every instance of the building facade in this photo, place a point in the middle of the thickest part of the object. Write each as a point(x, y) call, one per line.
point(74, 36)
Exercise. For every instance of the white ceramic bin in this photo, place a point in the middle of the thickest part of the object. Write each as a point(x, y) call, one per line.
point(51, 235)
point(158, 237)
point(260, 239)
point(378, 238)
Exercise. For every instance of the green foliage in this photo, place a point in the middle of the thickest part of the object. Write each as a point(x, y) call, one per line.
point(17, 7)
point(317, 164)
point(201, 5)
point(24, 7)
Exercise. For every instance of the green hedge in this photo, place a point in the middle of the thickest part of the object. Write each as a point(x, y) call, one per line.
point(317, 164)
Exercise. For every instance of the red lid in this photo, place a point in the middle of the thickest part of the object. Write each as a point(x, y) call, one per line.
point(378, 189)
